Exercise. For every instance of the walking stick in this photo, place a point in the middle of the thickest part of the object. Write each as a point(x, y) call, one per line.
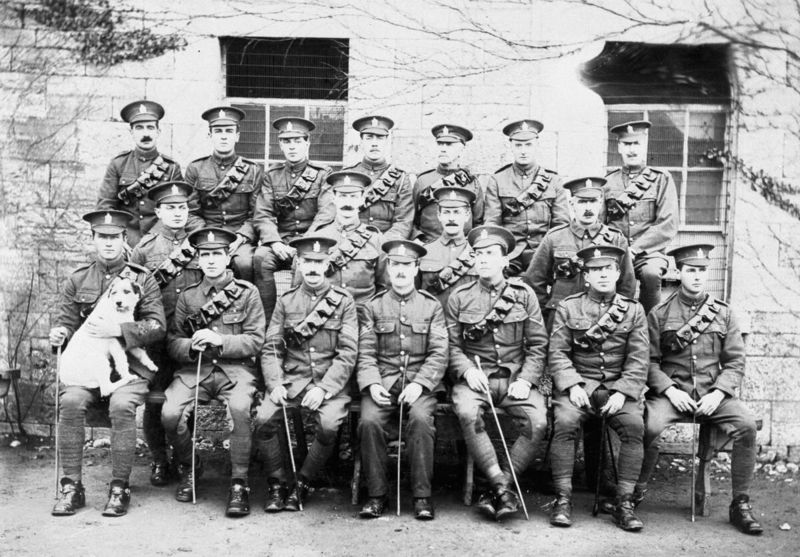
point(694, 448)
point(400, 429)
point(288, 433)
point(603, 435)
point(610, 445)
point(503, 440)
point(194, 426)
point(57, 409)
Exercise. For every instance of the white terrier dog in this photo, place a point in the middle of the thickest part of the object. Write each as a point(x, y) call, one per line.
point(85, 360)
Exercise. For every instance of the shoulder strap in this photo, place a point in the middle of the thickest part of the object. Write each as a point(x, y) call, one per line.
point(317, 317)
point(149, 177)
point(597, 334)
point(228, 184)
point(212, 309)
point(291, 201)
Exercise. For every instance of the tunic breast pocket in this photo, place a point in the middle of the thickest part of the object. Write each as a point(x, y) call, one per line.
point(388, 342)
point(643, 211)
point(86, 299)
point(541, 211)
point(419, 336)
point(232, 323)
point(329, 335)
point(511, 331)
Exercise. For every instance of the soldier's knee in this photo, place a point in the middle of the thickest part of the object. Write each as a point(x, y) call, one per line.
point(122, 407)
point(419, 416)
point(269, 261)
point(170, 416)
point(73, 402)
point(650, 273)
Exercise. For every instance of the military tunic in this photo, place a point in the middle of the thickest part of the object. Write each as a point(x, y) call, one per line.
point(441, 252)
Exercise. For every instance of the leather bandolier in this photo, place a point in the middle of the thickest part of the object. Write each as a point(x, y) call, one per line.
point(618, 207)
point(149, 177)
point(597, 334)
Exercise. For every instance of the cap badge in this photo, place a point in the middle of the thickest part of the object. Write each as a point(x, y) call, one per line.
point(484, 234)
point(597, 253)
point(222, 114)
point(374, 122)
point(108, 219)
point(524, 126)
point(453, 196)
point(211, 237)
point(176, 190)
point(445, 131)
point(630, 129)
point(316, 247)
point(588, 182)
point(700, 252)
point(289, 127)
point(401, 250)
point(346, 179)
point(142, 109)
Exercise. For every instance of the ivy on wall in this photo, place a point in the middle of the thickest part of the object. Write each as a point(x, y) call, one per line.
point(101, 32)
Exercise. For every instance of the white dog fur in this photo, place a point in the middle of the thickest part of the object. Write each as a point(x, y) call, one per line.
point(85, 360)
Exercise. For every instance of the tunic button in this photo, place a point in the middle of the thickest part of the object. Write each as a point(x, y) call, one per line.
point(497, 346)
point(177, 290)
point(297, 222)
point(402, 303)
point(312, 364)
point(602, 353)
point(313, 298)
point(215, 328)
point(402, 337)
point(494, 330)
point(178, 273)
point(175, 242)
point(694, 357)
point(402, 352)
point(602, 367)
point(499, 362)
point(371, 219)
point(141, 203)
point(108, 276)
point(141, 216)
point(213, 361)
point(344, 285)
point(694, 342)
point(311, 349)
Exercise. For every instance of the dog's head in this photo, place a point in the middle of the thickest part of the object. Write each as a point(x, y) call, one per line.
point(124, 295)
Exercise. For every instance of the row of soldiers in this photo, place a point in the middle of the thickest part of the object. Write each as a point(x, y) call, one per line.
point(396, 314)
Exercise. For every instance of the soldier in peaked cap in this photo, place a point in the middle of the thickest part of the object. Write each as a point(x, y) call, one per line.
point(166, 252)
point(287, 205)
point(451, 141)
point(598, 358)
point(79, 296)
point(525, 197)
point(219, 319)
point(357, 264)
point(497, 322)
point(308, 359)
point(697, 358)
point(402, 356)
point(642, 202)
point(450, 260)
point(131, 174)
point(554, 272)
point(228, 186)
point(387, 200)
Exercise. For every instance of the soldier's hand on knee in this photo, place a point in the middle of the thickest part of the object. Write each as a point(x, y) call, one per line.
point(410, 394)
point(476, 380)
point(613, 405)
point(278, 395)
point(282, 251)
point(578, 397)
point(313, 398)
point(519, 389)
point(708, 404)
point(681, 400)
point(379, 394)
point(205, 337)
point(58, 335)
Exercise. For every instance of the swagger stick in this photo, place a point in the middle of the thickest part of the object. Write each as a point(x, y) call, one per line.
point(603, 434)
point(503, 440)
point(694, 447)
point(194, 425)
point(288, 434)
point(57, 408)
point(400, 428)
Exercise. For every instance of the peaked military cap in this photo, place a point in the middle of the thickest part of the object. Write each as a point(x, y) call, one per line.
point(693, 254)
point(378, 125)
point(142, 111)
point(313, 247)
point(108, 221)
point(348, 181)
point(211, 238)
point(223, 116)
point(403, 251)
point(447, 196)
point(293, 127)
point(630, 129)
point(170, 192)
point(450, 133)
point(589, 187)
point(489, 235)
point(523, 129)
point(600, 256)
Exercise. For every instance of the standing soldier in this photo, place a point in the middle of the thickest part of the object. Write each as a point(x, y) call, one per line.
point(525, 198)
point(132, 173)
point(387, 200)
point(166, 252)
point(219, 319)
point(228, 186)
point(642, 202)
point(598, 359)
point(307, 360)
point(402, 356)
point(697, 360)
point(287, 204)
point(81, 293)
point(497, 321)
point(449, 261)
point(357, 263)
point(451, 142)
point(554, 272)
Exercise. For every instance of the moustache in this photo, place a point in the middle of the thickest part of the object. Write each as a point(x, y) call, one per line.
point(313, 274)
point(347, 208)
point(451, 223)
point(147, 138)
point(588, 213)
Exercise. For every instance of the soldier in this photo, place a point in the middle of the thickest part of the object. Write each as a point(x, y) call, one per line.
point(554, 272)
point(451, 142)
point(642, 202)
point(131, 173)
point(497, 321)
point(165, 251)
point(287, 204)
point(228, 186)
point(307, 360)
point(598, 360)
point(697, 360)
point(525, 198)
point(81, 293)
point(449, 261)
point(357, 263)
point(387, 200)
point(219, 319)
point(402, 356)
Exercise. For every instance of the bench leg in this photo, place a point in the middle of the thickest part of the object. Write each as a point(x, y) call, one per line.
point(469, 480)
point(705, 452)
point(355, 484)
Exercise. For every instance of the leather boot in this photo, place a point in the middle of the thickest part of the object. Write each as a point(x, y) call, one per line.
point(607, 505)
point(159, 474)
point(741, 516)
point(423, 509)
point(71, 498)
point(276, 497)
point(186, 480)
point(297, 497)
point(119, 497)
point(374, 507)
point(485, 505)
point(624, 516)
point(238, 499)
point(561, 514)
point(506, 502)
